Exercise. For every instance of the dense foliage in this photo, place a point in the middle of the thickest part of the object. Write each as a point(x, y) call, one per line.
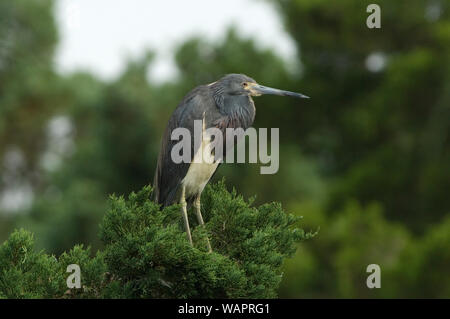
point(147, 254)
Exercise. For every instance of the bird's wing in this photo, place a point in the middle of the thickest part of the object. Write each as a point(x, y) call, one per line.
point(168, 175)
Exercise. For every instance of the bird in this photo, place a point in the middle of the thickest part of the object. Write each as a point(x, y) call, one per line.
point(225, 103)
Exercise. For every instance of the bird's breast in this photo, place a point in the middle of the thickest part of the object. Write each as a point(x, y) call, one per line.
point(201, 168)
point(197, 177)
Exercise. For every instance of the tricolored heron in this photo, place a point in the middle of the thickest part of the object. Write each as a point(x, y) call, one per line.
point(226, 103)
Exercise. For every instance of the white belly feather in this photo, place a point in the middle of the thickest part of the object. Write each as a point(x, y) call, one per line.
point(201, 169)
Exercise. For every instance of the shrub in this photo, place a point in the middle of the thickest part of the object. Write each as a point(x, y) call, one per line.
point(146, 253)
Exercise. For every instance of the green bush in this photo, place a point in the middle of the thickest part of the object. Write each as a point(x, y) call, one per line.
point(146, 253)
point(25, 273)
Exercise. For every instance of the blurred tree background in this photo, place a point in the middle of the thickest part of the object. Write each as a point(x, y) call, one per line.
point(367, 159)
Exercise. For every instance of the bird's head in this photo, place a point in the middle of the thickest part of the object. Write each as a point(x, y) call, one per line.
point(240, 84)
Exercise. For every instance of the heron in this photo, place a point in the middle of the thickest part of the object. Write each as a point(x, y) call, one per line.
point(226, 103)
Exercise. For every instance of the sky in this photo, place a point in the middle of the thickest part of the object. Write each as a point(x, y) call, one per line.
point(98, 35)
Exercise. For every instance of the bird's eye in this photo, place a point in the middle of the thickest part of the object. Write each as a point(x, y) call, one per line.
point(244, 84)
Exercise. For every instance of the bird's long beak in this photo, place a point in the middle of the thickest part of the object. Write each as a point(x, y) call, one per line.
point(258, 89)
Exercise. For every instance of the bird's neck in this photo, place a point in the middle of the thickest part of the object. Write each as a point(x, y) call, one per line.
point(239, 109)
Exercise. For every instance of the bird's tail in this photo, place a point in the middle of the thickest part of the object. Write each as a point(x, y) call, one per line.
point(157, 181)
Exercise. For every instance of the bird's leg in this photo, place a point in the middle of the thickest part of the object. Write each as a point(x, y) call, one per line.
point(200, 219)
point(184, 213)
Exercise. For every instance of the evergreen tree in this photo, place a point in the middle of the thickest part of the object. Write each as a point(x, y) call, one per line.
point(147, 255)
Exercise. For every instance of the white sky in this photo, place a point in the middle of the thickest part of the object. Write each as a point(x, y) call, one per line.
point(99, 34)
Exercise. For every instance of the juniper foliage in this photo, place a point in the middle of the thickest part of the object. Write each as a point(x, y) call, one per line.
point(146, 254)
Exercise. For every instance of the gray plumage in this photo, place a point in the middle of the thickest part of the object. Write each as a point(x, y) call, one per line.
point(226, 103)
point(220, 111)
